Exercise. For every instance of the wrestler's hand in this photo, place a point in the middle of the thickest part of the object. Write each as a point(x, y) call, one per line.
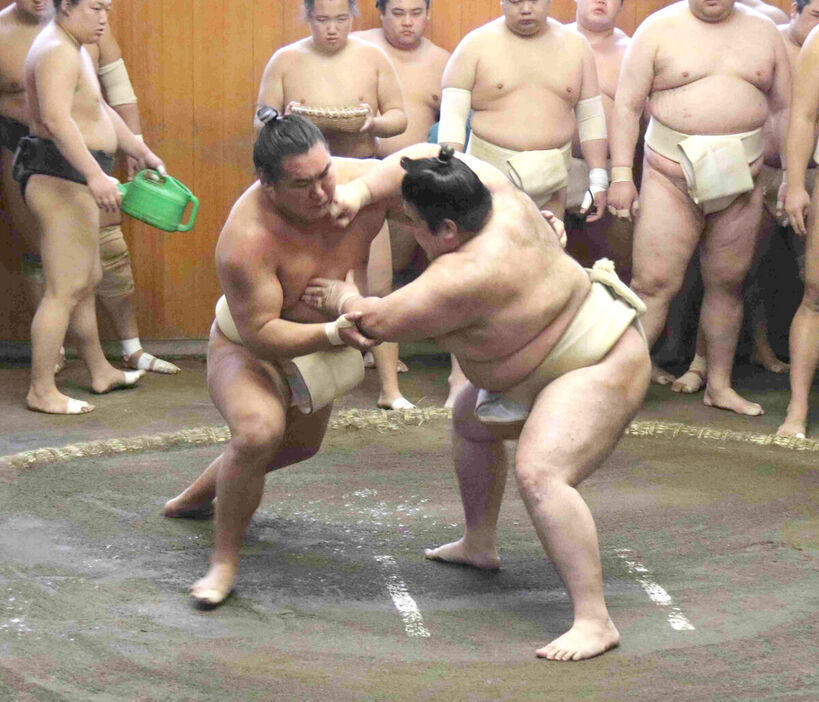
point(622, 199)
point(105, 192)
point(345, 205)
point(369, 123)
point(597, 206)
point(151, 160)
point(557, 225)
point(352, 336)
point(131, 166)
point(797, 205)
point(328, 296)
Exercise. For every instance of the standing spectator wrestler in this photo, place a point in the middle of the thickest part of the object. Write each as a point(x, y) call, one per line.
point(330, 69)
point(64, 174)
point(529, 82)
point(704, 151)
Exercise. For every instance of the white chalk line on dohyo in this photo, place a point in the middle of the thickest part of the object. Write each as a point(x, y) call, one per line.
point(413, 622)
point(656, 593)
point(354, 419)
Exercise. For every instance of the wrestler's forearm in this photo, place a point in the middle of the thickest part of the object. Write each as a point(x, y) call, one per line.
point(798, 147)
point(280, 339)
point(384, 180)
point(129, 113)
point(623, 139)
point(594, 152)
point(126, 140)
point(391, 123)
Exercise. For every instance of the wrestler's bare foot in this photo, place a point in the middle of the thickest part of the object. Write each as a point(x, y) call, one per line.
point(180, 507)
point(459, 552)
point(765, 357)
point(583, 640)
point(397, 403)
point(56, 403)
point(659, 376)
point(728, 399)
point(795, 424)
point(115, 379)
point(689, 382)
point(215, 587)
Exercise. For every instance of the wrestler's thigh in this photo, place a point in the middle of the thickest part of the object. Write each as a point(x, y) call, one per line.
point(578, 418)
point(379, 267)
point(812, 247)
point(253, 398)
point(466, 425)
point(666, 233)
point(69, 222)
point(23, 221)
point(730, 239)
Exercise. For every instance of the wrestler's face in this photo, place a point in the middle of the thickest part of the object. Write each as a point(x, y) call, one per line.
point(36, 8)
point(404, 22)
point(803, 22)
point(308, 185)
point(434, 244)
point(526, 17)
point(87, 20)
point(330, 23)
point(598, 15)
point(711, 10)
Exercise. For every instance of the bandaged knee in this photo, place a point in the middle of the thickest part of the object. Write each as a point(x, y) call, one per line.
point(455, 106)
point(116, 83)
point(117, 274)
point(32, 268)
point(591, 119)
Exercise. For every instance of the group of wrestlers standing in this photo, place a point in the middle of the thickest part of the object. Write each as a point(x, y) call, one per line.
point(554, 353)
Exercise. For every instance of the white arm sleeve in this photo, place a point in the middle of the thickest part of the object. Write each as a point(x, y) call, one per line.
point(117, 85)
point(591, 119)
point(455, 106)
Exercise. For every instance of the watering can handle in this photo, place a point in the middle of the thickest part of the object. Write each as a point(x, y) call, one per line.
point(123, 188)
point(192, 217)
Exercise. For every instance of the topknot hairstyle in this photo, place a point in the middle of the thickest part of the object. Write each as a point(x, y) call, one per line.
point(446, 188)
point(281, 136)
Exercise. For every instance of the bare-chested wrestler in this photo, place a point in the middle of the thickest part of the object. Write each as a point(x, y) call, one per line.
point(803, 18)
point(610, 236)
point(801, 210)
point(763, 8)
point(420, 65)
point(330, 69)
point(501, 294)
point(64, 174)
point(19, 24)
point(699, 190)
point(526, 77)
point(278, 236)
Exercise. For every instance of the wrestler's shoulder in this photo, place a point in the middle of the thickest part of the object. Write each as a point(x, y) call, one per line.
point(292, 52)
point(483, 35)
point(374, 36)
point(364, 47)
point(349, 168)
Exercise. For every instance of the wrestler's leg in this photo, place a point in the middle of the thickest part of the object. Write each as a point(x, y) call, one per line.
point(69, 220)
point(574, 426)
point(457, 382)
point(666, 233)
point(480, 467)
point(379, 283)
point(253, 400)
point(694, 378)
point(726, 256)
point(804, 334)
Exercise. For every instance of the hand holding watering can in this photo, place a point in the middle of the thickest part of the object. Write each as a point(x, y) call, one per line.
point(159, 200)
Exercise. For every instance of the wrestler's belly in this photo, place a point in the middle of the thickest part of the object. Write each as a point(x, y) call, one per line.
point(713, 105)
point(525, 121)
point(509, 369)
point(14, 106)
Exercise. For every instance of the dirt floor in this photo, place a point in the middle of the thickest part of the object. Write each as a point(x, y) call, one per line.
point(709, 538)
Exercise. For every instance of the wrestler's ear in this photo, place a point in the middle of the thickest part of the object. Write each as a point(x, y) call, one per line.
point(449, 235)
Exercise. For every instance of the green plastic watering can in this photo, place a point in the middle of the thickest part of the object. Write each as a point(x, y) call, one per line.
point(159, 201)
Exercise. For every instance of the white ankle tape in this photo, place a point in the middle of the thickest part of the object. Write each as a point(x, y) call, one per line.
point(331, 330)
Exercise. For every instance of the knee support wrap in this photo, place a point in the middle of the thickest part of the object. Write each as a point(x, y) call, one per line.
point(117, 275)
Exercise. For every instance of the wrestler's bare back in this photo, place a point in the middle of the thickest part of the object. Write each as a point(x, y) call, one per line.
point(523, 89)
point(268, 250)
point(16, 38)
point(419, 71)
point(87, 108)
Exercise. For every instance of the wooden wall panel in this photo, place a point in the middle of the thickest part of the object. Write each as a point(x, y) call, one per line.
point(196, 67)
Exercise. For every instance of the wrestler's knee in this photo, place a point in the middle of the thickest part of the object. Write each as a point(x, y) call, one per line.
point(535, 480)
point(810, 297)
point(117, 275)
point(464, 422)
point(647, 283)
point(255, 436)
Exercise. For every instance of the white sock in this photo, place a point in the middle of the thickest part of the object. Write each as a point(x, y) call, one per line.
point(131, 346)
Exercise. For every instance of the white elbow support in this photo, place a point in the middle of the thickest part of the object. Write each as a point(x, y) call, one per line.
point(591, 119)
point(455, 106)
point(117, 85)
point(331, 330)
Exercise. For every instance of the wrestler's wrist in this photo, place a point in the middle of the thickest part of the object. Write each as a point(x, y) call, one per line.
point(622, 174)
point(343, 299)
point(362, 192)
point(598, 179)
point(331, 330)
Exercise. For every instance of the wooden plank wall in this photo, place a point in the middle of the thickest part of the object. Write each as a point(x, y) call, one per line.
point(196, 67)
